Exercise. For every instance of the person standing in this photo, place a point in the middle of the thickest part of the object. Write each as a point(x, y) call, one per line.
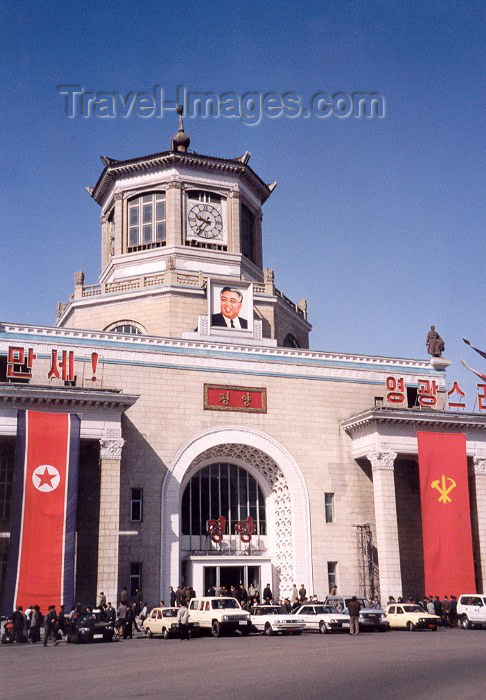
point(18, 624)
point(183, 620)
point(61, 621)
point(35, 620)
point(50, 625)
point(295, 596)
point(172, 597)
point(110, 613)
point(446, 611)
point(453, 612)
point(302, 593)
point(354, 606)
point(101, 600)
point(267, 594)
point(121, 615)
point(124, 596)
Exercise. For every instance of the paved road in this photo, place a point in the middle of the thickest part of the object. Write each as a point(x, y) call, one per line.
point(443, 665)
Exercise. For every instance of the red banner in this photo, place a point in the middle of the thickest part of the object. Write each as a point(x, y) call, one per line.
point(446, 514)
point(44, 501)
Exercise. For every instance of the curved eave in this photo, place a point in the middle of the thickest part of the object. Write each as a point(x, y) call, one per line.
point(121, 168)
point(421, 418)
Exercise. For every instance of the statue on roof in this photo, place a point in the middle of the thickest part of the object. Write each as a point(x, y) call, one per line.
point(434, 343)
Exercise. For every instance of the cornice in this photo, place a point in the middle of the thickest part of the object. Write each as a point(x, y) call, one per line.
point(23, 396)
point(116, 169)
point(140, 342)
point(421, 418)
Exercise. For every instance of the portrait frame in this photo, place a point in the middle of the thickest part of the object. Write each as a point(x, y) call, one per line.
point(217, 325)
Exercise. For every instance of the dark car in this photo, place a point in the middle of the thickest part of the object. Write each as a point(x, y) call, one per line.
point(89, 627)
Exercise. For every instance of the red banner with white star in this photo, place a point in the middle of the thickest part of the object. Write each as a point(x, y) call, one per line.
point(44, 501)
point(446, 514)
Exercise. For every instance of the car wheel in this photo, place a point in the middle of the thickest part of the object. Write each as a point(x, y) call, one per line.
point(410, 627)
point(296, 633)
point(148, 633)
point(268, 630)
point(465, 624)
point(322, 627)
point(216, 629)
point(165, 633)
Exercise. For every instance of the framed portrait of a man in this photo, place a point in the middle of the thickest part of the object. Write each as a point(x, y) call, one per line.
point(230, 305)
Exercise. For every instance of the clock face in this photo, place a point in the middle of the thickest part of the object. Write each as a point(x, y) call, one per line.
point(205, 221)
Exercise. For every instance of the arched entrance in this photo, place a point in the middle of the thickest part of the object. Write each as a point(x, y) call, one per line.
point(287, 547)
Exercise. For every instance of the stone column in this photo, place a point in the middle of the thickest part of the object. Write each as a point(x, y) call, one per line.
point(480, 481)
point(175, 228)
point(233, 222)
point(110, 457)
point(382, 464)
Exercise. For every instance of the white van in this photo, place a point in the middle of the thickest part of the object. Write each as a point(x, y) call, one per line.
point(471, 610)
point(219, 615)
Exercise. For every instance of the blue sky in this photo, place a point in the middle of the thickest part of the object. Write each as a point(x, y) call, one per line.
point(379, 223)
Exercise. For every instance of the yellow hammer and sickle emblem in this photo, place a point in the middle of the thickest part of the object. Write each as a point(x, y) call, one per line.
point(443, 489)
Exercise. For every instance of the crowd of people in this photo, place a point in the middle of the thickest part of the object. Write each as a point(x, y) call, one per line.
point(25, 625)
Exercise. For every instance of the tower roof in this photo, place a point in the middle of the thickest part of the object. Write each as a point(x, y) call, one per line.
point(116, 169)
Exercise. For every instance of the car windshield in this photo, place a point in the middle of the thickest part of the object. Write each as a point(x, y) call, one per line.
point(224, 603)
point(328, 609)
point(412, 608)
point(87, 619)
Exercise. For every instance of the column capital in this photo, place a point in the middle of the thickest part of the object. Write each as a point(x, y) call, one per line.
point(382, 460)
point(111, 448)
point(479, 465)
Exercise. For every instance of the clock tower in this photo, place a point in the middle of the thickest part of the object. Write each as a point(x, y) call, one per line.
point(177, 228)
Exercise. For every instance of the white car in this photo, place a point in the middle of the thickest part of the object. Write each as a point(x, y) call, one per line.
point(161, 621)
point(272, 619)
point(323, 618)
point(471, 610)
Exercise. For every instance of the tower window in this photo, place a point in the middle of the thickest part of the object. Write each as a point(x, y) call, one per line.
point(136, 505)
point(247, 233)
point(146, 221)
point(329, 507)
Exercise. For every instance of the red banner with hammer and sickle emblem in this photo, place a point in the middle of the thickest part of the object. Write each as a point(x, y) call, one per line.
point(446, 514)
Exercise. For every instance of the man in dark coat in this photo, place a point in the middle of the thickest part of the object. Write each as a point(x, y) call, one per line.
point(50, 625)
point(18, 624)
point(267, 594)
point(354, 606)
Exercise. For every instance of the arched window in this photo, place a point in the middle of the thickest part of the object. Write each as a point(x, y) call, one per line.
point(146, 221)
point(126, 327)
point(222, 489)
point(290, 341)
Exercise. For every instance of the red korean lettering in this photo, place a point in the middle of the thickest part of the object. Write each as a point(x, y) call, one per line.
point(216, 528)
point(245, 529)
point(482, 397)
point(427, 393)
point(19, 365)
point(456, 389)
point(65, 365)
point(395, 390)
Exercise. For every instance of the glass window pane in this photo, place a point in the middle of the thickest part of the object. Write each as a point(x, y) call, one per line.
point(147, 197)
point(133, 236)
point(214, 491)
point(205, 497)
point(160, 211)
point(147, 234)
point(147, 213)
point(243, 495)
point(196, 516)
point(160, 233)
point(133, 215)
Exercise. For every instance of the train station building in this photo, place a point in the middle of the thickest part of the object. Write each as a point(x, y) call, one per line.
point(216, 447)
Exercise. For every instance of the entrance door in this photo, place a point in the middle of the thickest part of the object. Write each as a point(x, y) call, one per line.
point(231, 576)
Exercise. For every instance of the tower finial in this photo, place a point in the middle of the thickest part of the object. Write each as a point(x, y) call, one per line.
point(180, 141)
